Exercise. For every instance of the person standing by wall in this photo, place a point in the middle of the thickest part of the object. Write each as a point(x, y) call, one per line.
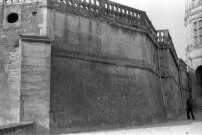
point(190, 107)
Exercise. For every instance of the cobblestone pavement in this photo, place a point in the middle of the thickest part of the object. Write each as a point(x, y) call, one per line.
point(182, 126)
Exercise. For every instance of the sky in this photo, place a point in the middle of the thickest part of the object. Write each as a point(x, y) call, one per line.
point(164, 14)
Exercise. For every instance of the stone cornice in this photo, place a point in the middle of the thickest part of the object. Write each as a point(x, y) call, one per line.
point(104, 59)
point(191, 48)
point(183, 65)
point(192, 16)
point(33, 38)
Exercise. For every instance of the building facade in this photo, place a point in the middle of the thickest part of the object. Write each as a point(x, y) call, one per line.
point(68, 65)
point(193, 23)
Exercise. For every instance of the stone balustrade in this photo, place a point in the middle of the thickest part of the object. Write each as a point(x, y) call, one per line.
point(106, 9)
point(163, 36)
point(165, 40)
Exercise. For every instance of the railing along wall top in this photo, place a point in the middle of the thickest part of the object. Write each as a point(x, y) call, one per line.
point(108, 10)
point(163, 36)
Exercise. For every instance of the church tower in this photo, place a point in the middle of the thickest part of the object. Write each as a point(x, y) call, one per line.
point(193, 23)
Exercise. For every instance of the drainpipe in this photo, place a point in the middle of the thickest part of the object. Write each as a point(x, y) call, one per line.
point(160, 78)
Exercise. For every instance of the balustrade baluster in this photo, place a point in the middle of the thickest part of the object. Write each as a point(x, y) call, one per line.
point(112, 8)
point(98, 3)
point(123, 12)
point(95, 2)
point(71, 2)
point(67, 2)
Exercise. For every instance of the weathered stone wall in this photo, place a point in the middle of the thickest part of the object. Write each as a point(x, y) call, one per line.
point(173, 67)
point(172, 98)
point(10, 86)
point(87, 93)
point(28, 17)
point(35, 82)
point(101, 73)
point(170, 73)
point(172, 90)
point(184, 87)
point(104, 67)
point(184, 81)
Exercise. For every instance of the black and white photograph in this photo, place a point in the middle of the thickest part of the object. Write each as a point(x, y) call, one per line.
point(100, 67)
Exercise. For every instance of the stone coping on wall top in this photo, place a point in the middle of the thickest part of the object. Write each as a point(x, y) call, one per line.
point(105, 9)
point(182, 64)
point(34, 38)
point(16, 125)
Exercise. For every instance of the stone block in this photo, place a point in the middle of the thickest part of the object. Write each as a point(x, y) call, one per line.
point(35, 70)
point(31, 61)
point(34, 54)
point(32, 78)
point(73, 39)
point(83, 25)
point(60, 23)
point(14, 66)
point(14, 94)
point(15, 111)
point(105, 29)
point(13, 87)
point(42, 97)
point(33, 47)
point(35, 86)
point(47, 50)
point(29, 92)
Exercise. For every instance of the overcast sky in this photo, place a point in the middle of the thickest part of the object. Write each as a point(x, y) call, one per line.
point(164, 14)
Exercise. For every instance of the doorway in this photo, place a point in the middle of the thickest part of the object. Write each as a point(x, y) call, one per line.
point(199, 80)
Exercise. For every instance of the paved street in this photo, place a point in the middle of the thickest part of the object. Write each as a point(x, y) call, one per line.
point(182, 126)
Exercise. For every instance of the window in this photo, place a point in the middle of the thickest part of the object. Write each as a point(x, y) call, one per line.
point(12, 18)
point(197, 32)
